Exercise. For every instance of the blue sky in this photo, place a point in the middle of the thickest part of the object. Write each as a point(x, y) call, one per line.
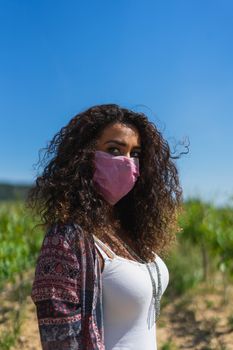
point(174, 57)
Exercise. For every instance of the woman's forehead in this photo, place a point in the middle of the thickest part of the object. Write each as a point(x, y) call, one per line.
point(121, 131)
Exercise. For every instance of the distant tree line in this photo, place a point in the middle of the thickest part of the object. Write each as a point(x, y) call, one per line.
point(13, 191)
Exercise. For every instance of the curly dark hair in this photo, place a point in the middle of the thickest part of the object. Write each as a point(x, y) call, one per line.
point(64, 192)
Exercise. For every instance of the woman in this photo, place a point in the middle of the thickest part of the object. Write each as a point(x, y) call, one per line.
point(109, 198)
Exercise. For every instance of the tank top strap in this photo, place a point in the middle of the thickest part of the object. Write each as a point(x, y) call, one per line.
point(103, 248)
point(102, 252)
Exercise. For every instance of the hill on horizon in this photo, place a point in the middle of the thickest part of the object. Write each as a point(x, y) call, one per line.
point(13, 191)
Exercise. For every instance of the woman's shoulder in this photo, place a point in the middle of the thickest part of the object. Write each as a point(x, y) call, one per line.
point(69, 237)
point(68, 232)
point(164, 272)
point(64, 241)
point(161, 262)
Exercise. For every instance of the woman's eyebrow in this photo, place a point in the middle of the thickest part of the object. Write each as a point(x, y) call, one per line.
point(121, 143)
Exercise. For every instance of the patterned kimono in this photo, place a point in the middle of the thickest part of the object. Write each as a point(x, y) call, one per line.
point(67, 291)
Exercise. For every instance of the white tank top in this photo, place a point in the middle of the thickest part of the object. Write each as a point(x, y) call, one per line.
point(127, 296)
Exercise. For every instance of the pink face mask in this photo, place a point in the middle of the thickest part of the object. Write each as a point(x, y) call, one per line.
point(114, 176)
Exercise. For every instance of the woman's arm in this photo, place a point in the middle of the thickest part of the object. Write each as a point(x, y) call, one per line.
point(56, 291)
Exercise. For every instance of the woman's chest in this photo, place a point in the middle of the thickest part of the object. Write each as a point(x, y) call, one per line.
point(127, 287)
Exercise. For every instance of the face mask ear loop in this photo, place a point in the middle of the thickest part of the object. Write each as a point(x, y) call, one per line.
point(136, 161)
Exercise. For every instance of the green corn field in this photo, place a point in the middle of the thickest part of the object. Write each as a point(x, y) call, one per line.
point(19, 241)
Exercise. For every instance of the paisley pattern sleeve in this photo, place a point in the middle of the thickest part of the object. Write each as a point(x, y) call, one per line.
point(59, 294)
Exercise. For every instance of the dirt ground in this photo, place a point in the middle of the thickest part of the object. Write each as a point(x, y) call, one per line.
point(29, 338)
point(197, 320)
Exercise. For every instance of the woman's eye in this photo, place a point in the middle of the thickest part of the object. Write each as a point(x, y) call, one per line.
point(114, 150)
point(135, 154)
